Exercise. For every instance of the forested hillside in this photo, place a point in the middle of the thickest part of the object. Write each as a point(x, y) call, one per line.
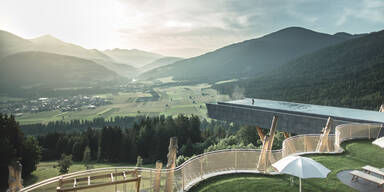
point(40, 69)
point(148, 137)
point(134, 57)
point(348, 74)
point(250, 58)
point(159, 63)
point(12, 44)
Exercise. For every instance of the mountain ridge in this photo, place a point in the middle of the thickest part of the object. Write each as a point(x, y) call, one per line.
point(134, 57)
point(248, 58)
point(348, 74)
point(51, 44)
point(35, 68)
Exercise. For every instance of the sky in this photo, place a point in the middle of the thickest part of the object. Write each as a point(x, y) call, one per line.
point(183, 28)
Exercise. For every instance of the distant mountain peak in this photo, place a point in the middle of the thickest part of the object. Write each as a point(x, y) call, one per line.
point(292, 31)
point(295, 28)
point(134, 57)
point(133, 51)
point(46, 38)
point(343, 35)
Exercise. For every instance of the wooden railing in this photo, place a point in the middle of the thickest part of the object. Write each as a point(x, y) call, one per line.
point(89, 179)
point(208, 164)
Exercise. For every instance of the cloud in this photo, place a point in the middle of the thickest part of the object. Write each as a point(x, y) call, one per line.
point(370, 11)
point(182, 28)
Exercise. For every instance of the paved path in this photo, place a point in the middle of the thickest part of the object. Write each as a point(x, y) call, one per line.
point(361, 185)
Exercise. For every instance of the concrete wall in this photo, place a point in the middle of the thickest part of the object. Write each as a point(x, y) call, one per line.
point(292, 122)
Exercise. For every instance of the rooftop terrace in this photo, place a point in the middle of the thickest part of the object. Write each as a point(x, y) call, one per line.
point(293, 117)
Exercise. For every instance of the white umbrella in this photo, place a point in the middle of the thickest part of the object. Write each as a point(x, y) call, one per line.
point(379, 142)
point(302, 167)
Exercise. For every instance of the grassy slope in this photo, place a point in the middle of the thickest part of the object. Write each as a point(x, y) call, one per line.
point(358, 154)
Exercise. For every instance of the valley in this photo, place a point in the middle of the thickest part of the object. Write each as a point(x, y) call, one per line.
point(171, 101)
point(219, 95)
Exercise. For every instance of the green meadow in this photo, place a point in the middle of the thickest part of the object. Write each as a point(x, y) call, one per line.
point(173, 101)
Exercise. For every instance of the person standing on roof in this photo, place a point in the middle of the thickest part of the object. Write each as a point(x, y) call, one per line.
point(253, 101)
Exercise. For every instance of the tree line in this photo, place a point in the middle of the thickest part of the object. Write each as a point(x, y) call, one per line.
point(147, 140)
point(78, 125)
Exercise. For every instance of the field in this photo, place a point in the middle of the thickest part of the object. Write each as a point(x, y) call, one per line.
point(357, 154)
point(173, 101)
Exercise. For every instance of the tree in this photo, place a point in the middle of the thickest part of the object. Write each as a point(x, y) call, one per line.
point(31, 155)
point(195, 133)
point(64, 163)
point(14, 147)
point(187, 149)
point(87, 157)
point(248, 134)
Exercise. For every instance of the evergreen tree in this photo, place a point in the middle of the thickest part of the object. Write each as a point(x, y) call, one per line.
point(64, 163)
point(14, 147)
point(87, 157)
point(31, 155)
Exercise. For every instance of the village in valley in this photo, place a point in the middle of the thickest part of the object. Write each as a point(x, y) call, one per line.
point(74, 103)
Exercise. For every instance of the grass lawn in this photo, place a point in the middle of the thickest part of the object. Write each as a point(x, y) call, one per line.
point(356, 155)
point(46, 170)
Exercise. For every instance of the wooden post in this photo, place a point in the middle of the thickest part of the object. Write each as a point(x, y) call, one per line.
point(289, 145)
point(138, 183)
point(235, 159)
point(171, 164)
point(272, 131)
point(182, 177)
point(60, 184)
point(265, 155)
point(201, 167)
point(156, 187)
point(261, 134)
point(323, 141)
point(286, 135)
point(15, 182)
point(307, 144)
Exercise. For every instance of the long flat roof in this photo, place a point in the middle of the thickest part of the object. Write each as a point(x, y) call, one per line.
point(317, 110)
point(292, 117)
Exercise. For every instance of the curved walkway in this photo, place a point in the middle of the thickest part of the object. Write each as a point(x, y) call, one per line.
point(222, 162)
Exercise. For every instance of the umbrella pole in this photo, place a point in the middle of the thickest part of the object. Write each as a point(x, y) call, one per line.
point(300, 183)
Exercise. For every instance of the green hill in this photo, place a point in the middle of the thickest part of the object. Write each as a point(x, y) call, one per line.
point(249, 58)
point(40, 69)
point(159, 63)
point(10, 44)
point(51, 44)
point(348, 74)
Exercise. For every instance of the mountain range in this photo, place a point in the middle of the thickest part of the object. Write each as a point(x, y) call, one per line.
point(114, 62)
point(292, 64)
point(35, 69)
point(249, 58)
point(347, 74)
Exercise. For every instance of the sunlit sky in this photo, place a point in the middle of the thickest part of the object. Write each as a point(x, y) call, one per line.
point(180, 27)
